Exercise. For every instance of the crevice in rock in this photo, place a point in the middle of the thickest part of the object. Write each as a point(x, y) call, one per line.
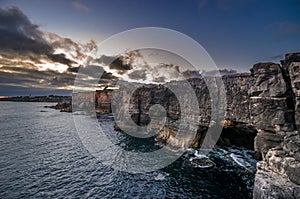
point(290, 95)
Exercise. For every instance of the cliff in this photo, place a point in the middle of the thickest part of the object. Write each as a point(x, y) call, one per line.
point(263, 113)
point(278, 175)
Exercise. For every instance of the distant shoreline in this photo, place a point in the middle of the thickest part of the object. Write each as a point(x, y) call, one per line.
point(50, 98)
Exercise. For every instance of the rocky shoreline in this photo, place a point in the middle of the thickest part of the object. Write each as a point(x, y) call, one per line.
point(263, 114)
point(63, 106)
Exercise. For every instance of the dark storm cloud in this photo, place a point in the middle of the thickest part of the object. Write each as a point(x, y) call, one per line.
point(19, 37)
point(23, 46)
point(105, 78)
point(115, 62)
point(91, 75)
point(78, 51)
point(191, 74)
point(169, 66)
point(31, 77)
point(108, 76)
point(73, 69)
point(25, 91)
point(138, 74)
point(221, 72)
point(108, 79)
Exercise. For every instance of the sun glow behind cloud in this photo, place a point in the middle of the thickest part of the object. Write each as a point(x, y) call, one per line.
point(52, 66)
point(39, 59)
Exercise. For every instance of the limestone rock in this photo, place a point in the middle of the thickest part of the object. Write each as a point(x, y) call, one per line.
point(265, 141)
point(291, 64)
point(278, 176)
point(269, 80)
point(271, 185)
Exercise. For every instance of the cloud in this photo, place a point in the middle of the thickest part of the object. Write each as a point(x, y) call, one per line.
point(80, 6)
point(133, 66)
point(20, 38)
point(87, 76)
point(115, 62)
point(191, 74)
point(25, 91)
point(31, 77)
point(160, 79)
point(276, 57)
point(30, 57)
point(138, 74)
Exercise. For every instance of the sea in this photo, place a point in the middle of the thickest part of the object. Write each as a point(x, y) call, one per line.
point(42, 156)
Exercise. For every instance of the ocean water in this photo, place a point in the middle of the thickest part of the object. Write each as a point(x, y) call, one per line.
point(41, 156)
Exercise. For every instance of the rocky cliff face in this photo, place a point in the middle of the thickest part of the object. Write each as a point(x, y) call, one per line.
point(278, 175)
point(263, 113)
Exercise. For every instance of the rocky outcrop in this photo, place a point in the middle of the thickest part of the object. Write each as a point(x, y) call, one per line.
point(102, 101)
point(269, 99)
point(291, 66)
point(279, 175)
point(238, 127)
point(263, 113)
point(270, 111)
point(63, 106)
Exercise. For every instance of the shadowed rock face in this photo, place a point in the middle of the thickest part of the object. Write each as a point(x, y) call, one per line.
point(259, 105)
point(278, 176)
point(291, 66)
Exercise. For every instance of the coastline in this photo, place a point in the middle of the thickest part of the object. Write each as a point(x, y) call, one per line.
point(263, 109)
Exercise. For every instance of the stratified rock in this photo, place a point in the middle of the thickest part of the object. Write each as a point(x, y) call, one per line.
point(238, 98)
point(278, 176)
point(271, 114)
point(291, 64)
point(102, 101)
point(265, 141)
point(269, 107)
point(271, 185)
point(269, 80)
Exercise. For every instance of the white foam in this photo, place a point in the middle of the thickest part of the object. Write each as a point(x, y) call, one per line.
point(160, 177)
point(239, 160)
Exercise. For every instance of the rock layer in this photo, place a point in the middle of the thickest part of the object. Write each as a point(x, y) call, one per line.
point(278, 175)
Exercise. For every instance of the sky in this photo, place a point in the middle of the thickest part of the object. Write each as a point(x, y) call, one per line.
point(43, 43)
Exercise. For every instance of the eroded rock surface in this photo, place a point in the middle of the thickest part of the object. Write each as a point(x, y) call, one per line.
point(263, 108)
point(263, 113)
point(278, 176)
